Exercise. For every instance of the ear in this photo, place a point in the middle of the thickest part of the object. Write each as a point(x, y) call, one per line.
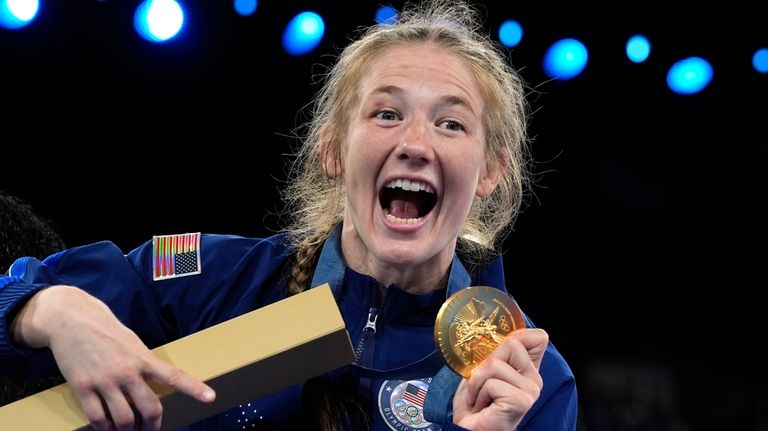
point(330, 153)
point(491, 174)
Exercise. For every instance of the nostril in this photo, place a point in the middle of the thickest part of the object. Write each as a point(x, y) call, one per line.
point(415, 150)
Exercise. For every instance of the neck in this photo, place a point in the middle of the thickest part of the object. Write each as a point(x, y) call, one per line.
point(414, 277)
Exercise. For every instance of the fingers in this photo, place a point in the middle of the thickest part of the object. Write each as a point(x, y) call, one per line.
point(119, 409)
point(497, 370)
point(523, 349)
point(167, 374)
point(94, 410)
point(498, 391)
point(146, 402)
point(108, 405)
point(511, 370)
point(108, 365)
point(534, 340)
point(123, 403)
point(147, 405)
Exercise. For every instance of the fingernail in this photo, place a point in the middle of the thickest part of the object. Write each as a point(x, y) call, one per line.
point(209, 395)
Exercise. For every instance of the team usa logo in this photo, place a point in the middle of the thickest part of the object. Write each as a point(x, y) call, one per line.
point(401, 404)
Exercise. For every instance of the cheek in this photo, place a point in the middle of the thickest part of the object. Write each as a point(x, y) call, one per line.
point(467, 172)
point(357, 161)
point(468, 164)
point(364, 154)
point(360, 167)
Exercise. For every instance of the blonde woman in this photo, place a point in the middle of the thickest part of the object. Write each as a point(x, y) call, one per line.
point(411, 173)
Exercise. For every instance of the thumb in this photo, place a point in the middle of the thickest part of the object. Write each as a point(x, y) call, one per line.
point(535, 341)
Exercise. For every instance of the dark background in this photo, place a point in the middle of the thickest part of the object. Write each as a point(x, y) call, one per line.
point(642, 248)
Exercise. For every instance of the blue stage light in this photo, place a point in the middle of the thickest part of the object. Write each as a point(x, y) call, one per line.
point(386, 15)
point(16, 14)
point(158, 20)
point(760, 60)
point(303, 33)
point(246, 7)
point(689, 76)
point(638, 48)
point(565, 59)
point(510, 33)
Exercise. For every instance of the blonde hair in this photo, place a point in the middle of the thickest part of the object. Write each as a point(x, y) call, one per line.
point(315, 202)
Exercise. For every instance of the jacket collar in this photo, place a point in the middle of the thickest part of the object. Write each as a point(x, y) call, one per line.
point(331, 267)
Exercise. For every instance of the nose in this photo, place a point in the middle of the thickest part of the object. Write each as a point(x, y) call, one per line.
point(415, 146)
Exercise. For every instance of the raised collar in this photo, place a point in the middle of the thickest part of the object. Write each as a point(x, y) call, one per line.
point(331, 267)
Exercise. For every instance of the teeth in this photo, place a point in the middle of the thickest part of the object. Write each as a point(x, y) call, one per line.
point(398, 220)
point(410, 185)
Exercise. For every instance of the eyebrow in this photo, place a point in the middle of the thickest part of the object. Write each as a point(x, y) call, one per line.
point(448, 100)
point(388, 89)
point(457, 100)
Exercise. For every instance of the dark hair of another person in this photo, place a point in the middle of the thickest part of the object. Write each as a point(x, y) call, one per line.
point(24, 233)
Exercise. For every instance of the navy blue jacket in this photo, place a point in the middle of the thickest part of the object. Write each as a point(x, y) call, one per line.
point(396, 351)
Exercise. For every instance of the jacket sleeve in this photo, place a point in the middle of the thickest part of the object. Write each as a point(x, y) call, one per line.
point(555, 410)
point(557, 406)
point(101, 269)
point(233, 272)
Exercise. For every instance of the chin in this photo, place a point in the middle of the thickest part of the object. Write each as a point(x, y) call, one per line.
point(406, 253)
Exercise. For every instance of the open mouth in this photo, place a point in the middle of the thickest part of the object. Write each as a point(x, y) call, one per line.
point(407, 201)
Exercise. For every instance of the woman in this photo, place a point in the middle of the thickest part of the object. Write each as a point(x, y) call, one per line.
point(410, 175)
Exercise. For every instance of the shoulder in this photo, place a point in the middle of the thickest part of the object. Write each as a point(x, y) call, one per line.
point(221, 246)
point(209, 247)
point(277, 241)
point(215, 242)
point(490, 273)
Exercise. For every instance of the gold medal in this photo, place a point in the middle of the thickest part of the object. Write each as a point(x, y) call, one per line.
point(471, 323)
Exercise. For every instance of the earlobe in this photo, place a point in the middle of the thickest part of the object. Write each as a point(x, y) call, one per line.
point(485, 186)
point(490, 176)
point(331, 165)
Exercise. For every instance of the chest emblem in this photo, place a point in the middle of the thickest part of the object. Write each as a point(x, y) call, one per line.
point(401, 404)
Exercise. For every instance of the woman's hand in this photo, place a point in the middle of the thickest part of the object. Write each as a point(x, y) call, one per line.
point(106, 364)
point(504, 386)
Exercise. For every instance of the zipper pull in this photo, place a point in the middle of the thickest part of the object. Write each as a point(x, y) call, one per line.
point(366, 343)
point(373, 314)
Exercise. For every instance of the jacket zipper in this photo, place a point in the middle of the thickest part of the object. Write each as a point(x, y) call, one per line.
point(365, 348)
point(368, 332)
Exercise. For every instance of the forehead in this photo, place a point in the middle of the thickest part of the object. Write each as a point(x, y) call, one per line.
point(425, 63)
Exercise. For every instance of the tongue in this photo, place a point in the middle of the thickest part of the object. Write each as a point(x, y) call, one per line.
point(403, 209)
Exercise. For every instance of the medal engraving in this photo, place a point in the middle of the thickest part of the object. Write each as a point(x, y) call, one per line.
point(471, 323)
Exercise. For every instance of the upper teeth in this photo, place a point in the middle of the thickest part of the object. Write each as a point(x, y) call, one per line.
point(411, 185)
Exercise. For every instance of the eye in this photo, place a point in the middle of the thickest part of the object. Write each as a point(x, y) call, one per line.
point(387, 115)
point(452, 125)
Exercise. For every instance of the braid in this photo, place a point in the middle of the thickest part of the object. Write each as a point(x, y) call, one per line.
point(325, 405)
point(328, 406)
point(304, 261)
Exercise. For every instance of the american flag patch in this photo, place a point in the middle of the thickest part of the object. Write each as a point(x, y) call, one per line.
point(175, 255)
point(414, 394)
